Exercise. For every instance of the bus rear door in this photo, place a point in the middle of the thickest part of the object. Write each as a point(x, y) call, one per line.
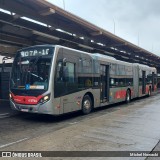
point(143, 82)
point(104, 83)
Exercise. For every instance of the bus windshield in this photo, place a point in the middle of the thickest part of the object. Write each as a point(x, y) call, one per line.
point(31, 69)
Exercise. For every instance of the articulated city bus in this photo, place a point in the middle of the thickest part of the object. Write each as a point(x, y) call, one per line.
point(52, 79)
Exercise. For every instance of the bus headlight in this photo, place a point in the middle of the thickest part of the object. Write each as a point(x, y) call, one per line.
point(45, 99)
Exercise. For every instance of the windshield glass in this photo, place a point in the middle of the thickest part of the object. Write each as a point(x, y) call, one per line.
point(31, 69)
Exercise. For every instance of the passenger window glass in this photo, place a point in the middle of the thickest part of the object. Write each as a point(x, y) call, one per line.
point(86, 66)
point(69, 72)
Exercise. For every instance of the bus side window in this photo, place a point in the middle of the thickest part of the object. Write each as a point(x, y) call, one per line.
point(65, 73)
point(69, 72)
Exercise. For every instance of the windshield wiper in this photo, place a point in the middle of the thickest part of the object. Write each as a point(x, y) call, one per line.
point(35, 75)
point(32, 65)
point(13, 82)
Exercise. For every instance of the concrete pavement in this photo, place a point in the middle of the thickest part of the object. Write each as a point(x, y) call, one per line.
point(5, 110)
point(132, 127)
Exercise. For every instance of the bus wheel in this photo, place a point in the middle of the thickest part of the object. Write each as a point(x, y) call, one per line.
point(128, 96)
point(149, 92)
point(86, 104)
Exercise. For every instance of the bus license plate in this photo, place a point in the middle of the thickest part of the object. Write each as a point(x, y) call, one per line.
point(24, 110)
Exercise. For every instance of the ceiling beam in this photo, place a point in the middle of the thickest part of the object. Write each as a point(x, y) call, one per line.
point(41, 34)
point(47, 12)
point(116, 45)
point(14, 39)
point(97, 33)
point(6, 49)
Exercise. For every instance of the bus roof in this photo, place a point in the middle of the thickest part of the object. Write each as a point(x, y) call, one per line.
point(101, 57)
point(144, 66)
point(96, 56)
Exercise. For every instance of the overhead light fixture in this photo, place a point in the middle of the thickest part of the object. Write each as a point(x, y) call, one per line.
point(84, 46)
point(109, 53)
point(34, 21)
point(123, 51)
point(51, 27)
point(81, 37)
point(47, 12)
point(16, 16)
point(45, 35)
point(100, 44)
point(125, 57)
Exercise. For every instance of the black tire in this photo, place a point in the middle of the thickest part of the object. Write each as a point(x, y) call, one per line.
point(86, 104)
point(128, 96)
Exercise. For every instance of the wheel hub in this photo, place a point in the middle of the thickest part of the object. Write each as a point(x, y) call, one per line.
point(86, 104)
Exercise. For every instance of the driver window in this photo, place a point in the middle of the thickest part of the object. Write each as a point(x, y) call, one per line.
point(59, 72)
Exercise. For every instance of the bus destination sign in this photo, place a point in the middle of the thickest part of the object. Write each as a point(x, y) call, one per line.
point(35, 52)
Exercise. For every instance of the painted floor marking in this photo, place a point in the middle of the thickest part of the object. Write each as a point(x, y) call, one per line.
point(4, 115)
point(8, 144)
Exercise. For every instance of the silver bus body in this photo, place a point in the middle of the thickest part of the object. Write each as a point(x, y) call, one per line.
point(104, 79)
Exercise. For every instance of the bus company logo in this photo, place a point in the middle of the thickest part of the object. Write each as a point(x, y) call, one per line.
point(32, 100)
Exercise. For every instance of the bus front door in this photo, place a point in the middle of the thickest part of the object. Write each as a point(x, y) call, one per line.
point(104, 83)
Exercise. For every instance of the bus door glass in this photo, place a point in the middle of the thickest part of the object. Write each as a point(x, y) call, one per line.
point(104, 83)
point(143, 82)
point(153, 80)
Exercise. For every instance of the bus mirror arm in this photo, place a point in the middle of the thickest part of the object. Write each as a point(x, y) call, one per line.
point(64, 61)
point(62, 73)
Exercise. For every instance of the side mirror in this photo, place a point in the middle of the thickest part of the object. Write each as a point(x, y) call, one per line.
point(64, 61)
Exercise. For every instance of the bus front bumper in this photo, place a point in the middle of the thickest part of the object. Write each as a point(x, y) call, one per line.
point(29, 108)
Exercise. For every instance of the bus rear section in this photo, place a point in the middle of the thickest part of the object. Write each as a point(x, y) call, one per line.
point(145, 80)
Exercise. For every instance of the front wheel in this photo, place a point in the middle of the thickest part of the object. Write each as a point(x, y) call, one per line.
point(128, 96)
point(86, 104)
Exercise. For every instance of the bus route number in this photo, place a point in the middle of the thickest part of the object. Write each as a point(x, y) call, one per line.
point(34, 52)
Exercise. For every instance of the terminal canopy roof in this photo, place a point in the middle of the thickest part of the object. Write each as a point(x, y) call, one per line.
point(32, 22)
